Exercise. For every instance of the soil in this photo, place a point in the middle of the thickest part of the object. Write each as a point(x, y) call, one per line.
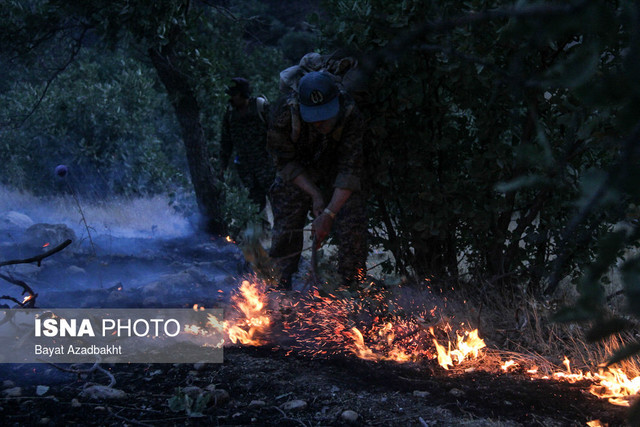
point(254, 385)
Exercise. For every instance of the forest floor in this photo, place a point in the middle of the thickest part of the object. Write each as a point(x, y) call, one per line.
point(264, 385)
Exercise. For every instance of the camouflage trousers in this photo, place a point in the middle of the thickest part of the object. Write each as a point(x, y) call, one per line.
point(291, 206)
point(257, 179)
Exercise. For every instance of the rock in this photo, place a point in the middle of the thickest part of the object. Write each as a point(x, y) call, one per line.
point(418, 393)
point(349, 416)
point(8, 384)
point(156, 289)
point(13, 392)
point(199, 366)
point(42, 390)
point(16, 219)
point(44, 421)
point(456, 392)
point(256, 403)
point(54, 234)
point(219, 396)
point(75, 403)
point(294, 405)
point(101, 392)
point(74, 269)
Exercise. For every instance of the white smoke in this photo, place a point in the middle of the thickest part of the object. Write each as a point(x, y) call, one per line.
point(152, 216)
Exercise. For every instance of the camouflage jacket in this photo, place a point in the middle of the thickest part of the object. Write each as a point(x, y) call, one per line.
point(335, 159)
point(245, 132)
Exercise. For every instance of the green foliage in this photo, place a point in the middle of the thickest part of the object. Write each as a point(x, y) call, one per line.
point(478, 146)
point(104, 118)
point(238, 209)
point(191, 406)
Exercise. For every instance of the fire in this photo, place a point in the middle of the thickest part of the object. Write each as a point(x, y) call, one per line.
point(468, 344)
point(45, 245)
point(251, 303)
point(330, 325)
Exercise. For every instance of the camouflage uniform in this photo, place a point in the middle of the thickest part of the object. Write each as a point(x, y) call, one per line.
point(246, 131)
point(334, 160)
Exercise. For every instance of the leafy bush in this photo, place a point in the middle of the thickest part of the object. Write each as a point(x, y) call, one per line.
point(480, 137)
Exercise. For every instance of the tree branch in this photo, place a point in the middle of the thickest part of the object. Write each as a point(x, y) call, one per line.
point(38, 258)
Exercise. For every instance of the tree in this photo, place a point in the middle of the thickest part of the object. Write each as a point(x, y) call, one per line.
point(481, 134)
point(170, 34)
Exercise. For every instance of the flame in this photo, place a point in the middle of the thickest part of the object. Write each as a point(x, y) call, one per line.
point(251, 303)
point(27, 298)
point(508, 364)
point(326, 325)
point(469, 343)
point(45, 245)
point(229, 239)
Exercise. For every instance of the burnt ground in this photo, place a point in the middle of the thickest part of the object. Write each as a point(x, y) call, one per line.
point(254, 386)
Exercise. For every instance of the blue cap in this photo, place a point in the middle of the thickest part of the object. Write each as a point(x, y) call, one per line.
point(318, 95)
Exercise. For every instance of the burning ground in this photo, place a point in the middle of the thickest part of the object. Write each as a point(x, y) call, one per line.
point(390, 355)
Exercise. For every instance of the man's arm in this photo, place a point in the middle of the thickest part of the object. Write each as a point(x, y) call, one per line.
point(322, 224)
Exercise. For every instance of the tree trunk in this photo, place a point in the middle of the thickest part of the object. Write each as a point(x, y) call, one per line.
point(188, 113)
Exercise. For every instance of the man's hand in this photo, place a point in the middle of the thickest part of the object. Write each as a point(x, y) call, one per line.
point(321, 227)
point(318, 205)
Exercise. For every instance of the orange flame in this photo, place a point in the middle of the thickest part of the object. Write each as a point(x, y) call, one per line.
point(45, 245)
point(251, 303)
point(468, 344)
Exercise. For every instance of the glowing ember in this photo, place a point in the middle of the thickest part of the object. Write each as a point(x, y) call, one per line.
point(253, 320)
point(229, 239)
point(367, 327)
point(507, 365)
point(45, 245)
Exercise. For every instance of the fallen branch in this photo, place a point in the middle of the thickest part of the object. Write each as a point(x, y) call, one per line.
point(96, 367)
point(28, 302)
point(38, 258)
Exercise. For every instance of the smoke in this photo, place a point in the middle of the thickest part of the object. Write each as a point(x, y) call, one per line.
point(154, 216)
point(136, 252)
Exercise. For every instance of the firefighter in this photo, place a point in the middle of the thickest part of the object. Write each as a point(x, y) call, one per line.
point(315, 138)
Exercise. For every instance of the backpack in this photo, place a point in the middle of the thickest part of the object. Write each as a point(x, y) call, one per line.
point(344, 71)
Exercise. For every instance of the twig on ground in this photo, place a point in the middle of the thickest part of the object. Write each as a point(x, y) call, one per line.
point(38, 258)
point(128, 420)
point(286, 418)
point(96, 367)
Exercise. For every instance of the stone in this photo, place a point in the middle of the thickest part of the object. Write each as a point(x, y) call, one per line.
point(256, 403)
point(16, 219)
point(219, 396)
point(101, 392)
point(419, 393)
point(294, 405)
point(456, 392)
point(13, 392)
point(75, 403)
point(8, 384)
point(349, 416)
point(54, 234)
